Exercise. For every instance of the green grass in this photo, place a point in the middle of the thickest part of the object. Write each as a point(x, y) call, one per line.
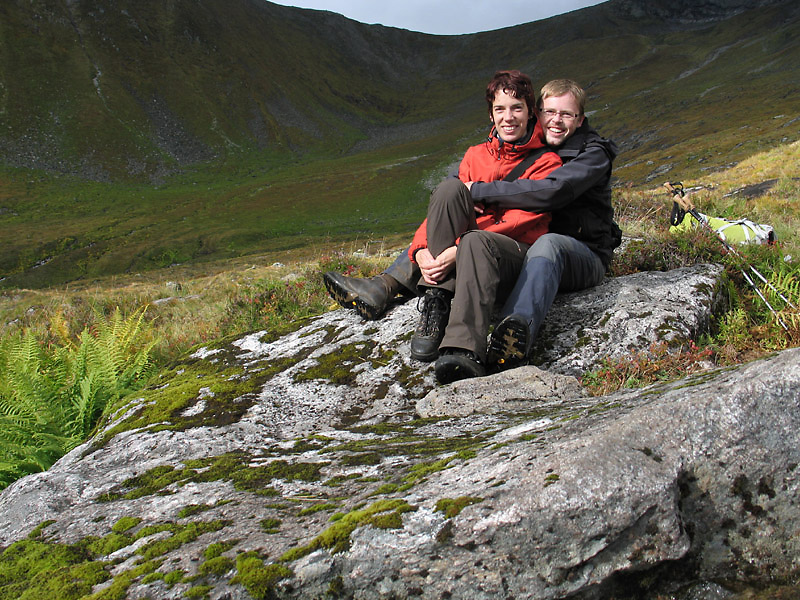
point(75, 230)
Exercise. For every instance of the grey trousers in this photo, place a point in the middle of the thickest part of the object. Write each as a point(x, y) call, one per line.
point(487, 265)
point(451, 211)
point(555, 263)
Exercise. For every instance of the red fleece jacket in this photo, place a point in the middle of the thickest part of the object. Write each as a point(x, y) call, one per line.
point(492, 161)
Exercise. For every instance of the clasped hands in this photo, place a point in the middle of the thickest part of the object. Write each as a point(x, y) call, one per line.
point(434, 270)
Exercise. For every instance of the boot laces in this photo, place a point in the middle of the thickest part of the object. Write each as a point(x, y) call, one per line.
point(433, 309)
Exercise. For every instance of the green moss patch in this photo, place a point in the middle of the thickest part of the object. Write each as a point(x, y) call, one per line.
point(233, 467)
point(338, 480)
point(216, 566)
point(421, 470)
point(174, 577)
point(386, 488)
point(387, 440)
point(181, 534)
point(193, 509)
point(125, 523)
point(200, 392)
point(123, 581)
point(338, 367)
point(221, 394)
point(270, 525)
point(35, 569)
point(108, 544)
point(410, 445)
point(317, 508)
point(361, 459)
point(383, 514)
point(258, 579)
point(198, 591)
point(551, 479)
point(217, 548)
point(451, 507)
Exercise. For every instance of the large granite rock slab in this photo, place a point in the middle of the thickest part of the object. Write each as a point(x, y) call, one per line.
point(629, 313)
point(328, 463)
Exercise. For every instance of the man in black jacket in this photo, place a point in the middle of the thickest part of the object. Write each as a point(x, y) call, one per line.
point(577, 252)
point(573, 256)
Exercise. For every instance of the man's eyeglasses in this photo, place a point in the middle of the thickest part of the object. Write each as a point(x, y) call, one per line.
point(551, 114)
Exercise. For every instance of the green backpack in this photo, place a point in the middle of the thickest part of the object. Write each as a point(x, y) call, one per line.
point(739, 231)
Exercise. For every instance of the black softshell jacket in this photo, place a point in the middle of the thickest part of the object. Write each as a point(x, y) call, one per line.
point(577, 194)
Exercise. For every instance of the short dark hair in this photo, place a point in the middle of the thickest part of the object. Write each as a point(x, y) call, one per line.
point(514, 83)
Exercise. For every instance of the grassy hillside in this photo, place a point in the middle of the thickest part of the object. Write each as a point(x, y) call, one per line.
point(138, 135)
point(71, 229)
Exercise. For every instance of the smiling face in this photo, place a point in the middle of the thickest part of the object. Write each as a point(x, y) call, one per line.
point(560, 117)
point(510, 116)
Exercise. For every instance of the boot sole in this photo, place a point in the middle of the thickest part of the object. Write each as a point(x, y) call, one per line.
point(367, 312)
point(342, 296)
point(507, 348)
point(351, 301)
point(426, 357)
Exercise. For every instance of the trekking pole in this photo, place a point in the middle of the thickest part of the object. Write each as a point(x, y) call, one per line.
point(685, 204)
point(682, 205)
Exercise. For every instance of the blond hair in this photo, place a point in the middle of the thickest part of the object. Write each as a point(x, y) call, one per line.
point(559, 87)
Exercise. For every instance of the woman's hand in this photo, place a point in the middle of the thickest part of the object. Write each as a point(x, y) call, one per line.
point(434, 270)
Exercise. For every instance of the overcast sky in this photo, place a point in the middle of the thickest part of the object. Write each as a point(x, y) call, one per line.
point(445, 17)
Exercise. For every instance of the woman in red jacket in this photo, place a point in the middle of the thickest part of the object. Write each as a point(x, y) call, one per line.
point(470, 254)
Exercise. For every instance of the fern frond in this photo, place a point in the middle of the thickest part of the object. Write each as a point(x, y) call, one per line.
point(87, 402)
point(51, 399)
point(108, 347)
point(60, 329)
point(33, 448)
point(785, 293)
point(25, 354)
point(28, 390)
point(785, 287)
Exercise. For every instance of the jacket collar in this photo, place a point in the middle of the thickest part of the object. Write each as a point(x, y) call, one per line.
point(583, 136)
point(533, 139)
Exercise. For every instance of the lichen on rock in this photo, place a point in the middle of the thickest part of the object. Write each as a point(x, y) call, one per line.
point(329, 462)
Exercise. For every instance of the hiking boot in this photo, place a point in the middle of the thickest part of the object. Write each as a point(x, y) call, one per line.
point(432, 323)
point(509, 344)
point(369, 297)
point(455, 364)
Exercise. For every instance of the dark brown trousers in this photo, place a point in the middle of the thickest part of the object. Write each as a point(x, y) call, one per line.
point(487, 265)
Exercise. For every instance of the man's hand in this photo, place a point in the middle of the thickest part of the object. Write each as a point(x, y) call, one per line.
point(479, 207)
point(434, 270)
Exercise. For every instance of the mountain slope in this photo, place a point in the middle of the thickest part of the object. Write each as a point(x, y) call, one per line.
point(91, 83)
point(111, 89)
point(265, 127)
